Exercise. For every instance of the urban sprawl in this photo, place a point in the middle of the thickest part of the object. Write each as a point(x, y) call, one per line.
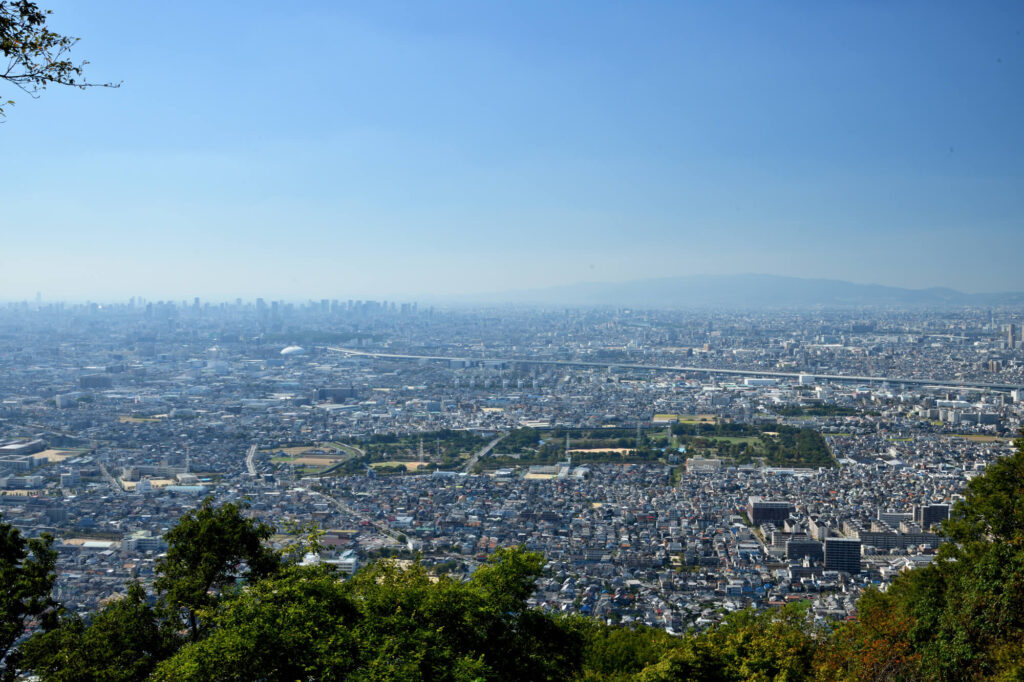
point(672, 466)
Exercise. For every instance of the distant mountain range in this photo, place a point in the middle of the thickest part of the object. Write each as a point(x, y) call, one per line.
point(746, 291)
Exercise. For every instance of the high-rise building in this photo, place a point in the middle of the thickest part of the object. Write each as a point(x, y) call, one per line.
point(760, 510)
point(798, 549)
point(842, 554)
point(927, 514)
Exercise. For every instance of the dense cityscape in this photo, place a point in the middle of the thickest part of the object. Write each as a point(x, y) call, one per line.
point(541, 342)
point(671, 466)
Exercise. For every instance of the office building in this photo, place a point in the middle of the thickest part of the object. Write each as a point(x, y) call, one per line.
point(761, 511)
point(804, 548)
point(928, 514)
point(842, 554)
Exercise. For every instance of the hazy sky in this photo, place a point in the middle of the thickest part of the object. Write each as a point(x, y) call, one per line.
point(376, 149)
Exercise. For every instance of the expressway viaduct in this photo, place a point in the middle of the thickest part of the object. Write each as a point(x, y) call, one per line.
point(938, 383)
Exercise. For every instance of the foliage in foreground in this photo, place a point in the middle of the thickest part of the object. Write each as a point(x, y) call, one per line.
point(960, 618)
point(26, 580)
point(32, 56)
point(388, 623)
point(229, 609)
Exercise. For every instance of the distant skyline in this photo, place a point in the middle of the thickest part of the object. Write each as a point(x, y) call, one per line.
point(419, 150)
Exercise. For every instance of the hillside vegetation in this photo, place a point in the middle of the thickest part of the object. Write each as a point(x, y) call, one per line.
point(228, 608)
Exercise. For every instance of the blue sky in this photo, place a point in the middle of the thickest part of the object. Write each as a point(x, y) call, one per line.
point(399, 150)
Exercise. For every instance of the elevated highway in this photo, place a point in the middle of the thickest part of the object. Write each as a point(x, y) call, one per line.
point(846, 378)
point(482, 452)
point(250, 460)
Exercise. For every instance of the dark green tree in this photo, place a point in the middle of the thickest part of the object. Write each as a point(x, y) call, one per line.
point(26, 581)
point(619, 653)
point(209, 549)
point(962, 617)
point(771, 645)
point(35, 56)
point(387, 623)
point(508, 576)
point(414, 626)
point(123, 642)
point(297, 625)
point(993, 507)
point(970, 602)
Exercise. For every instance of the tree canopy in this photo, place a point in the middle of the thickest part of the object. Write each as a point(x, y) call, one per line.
point(122, 642)
point(26, 580)
point(962, 617)
point(35, 56)
point(388, 623)
point(208, 549)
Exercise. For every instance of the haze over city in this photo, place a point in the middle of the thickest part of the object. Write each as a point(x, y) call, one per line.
point(441, 150)
point(484, 341)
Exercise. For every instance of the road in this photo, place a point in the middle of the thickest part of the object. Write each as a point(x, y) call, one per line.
point(110, 479)
point(350, 452)
point(250, 460)
point(940, 383)
point(482, 452)
point(382, 528)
